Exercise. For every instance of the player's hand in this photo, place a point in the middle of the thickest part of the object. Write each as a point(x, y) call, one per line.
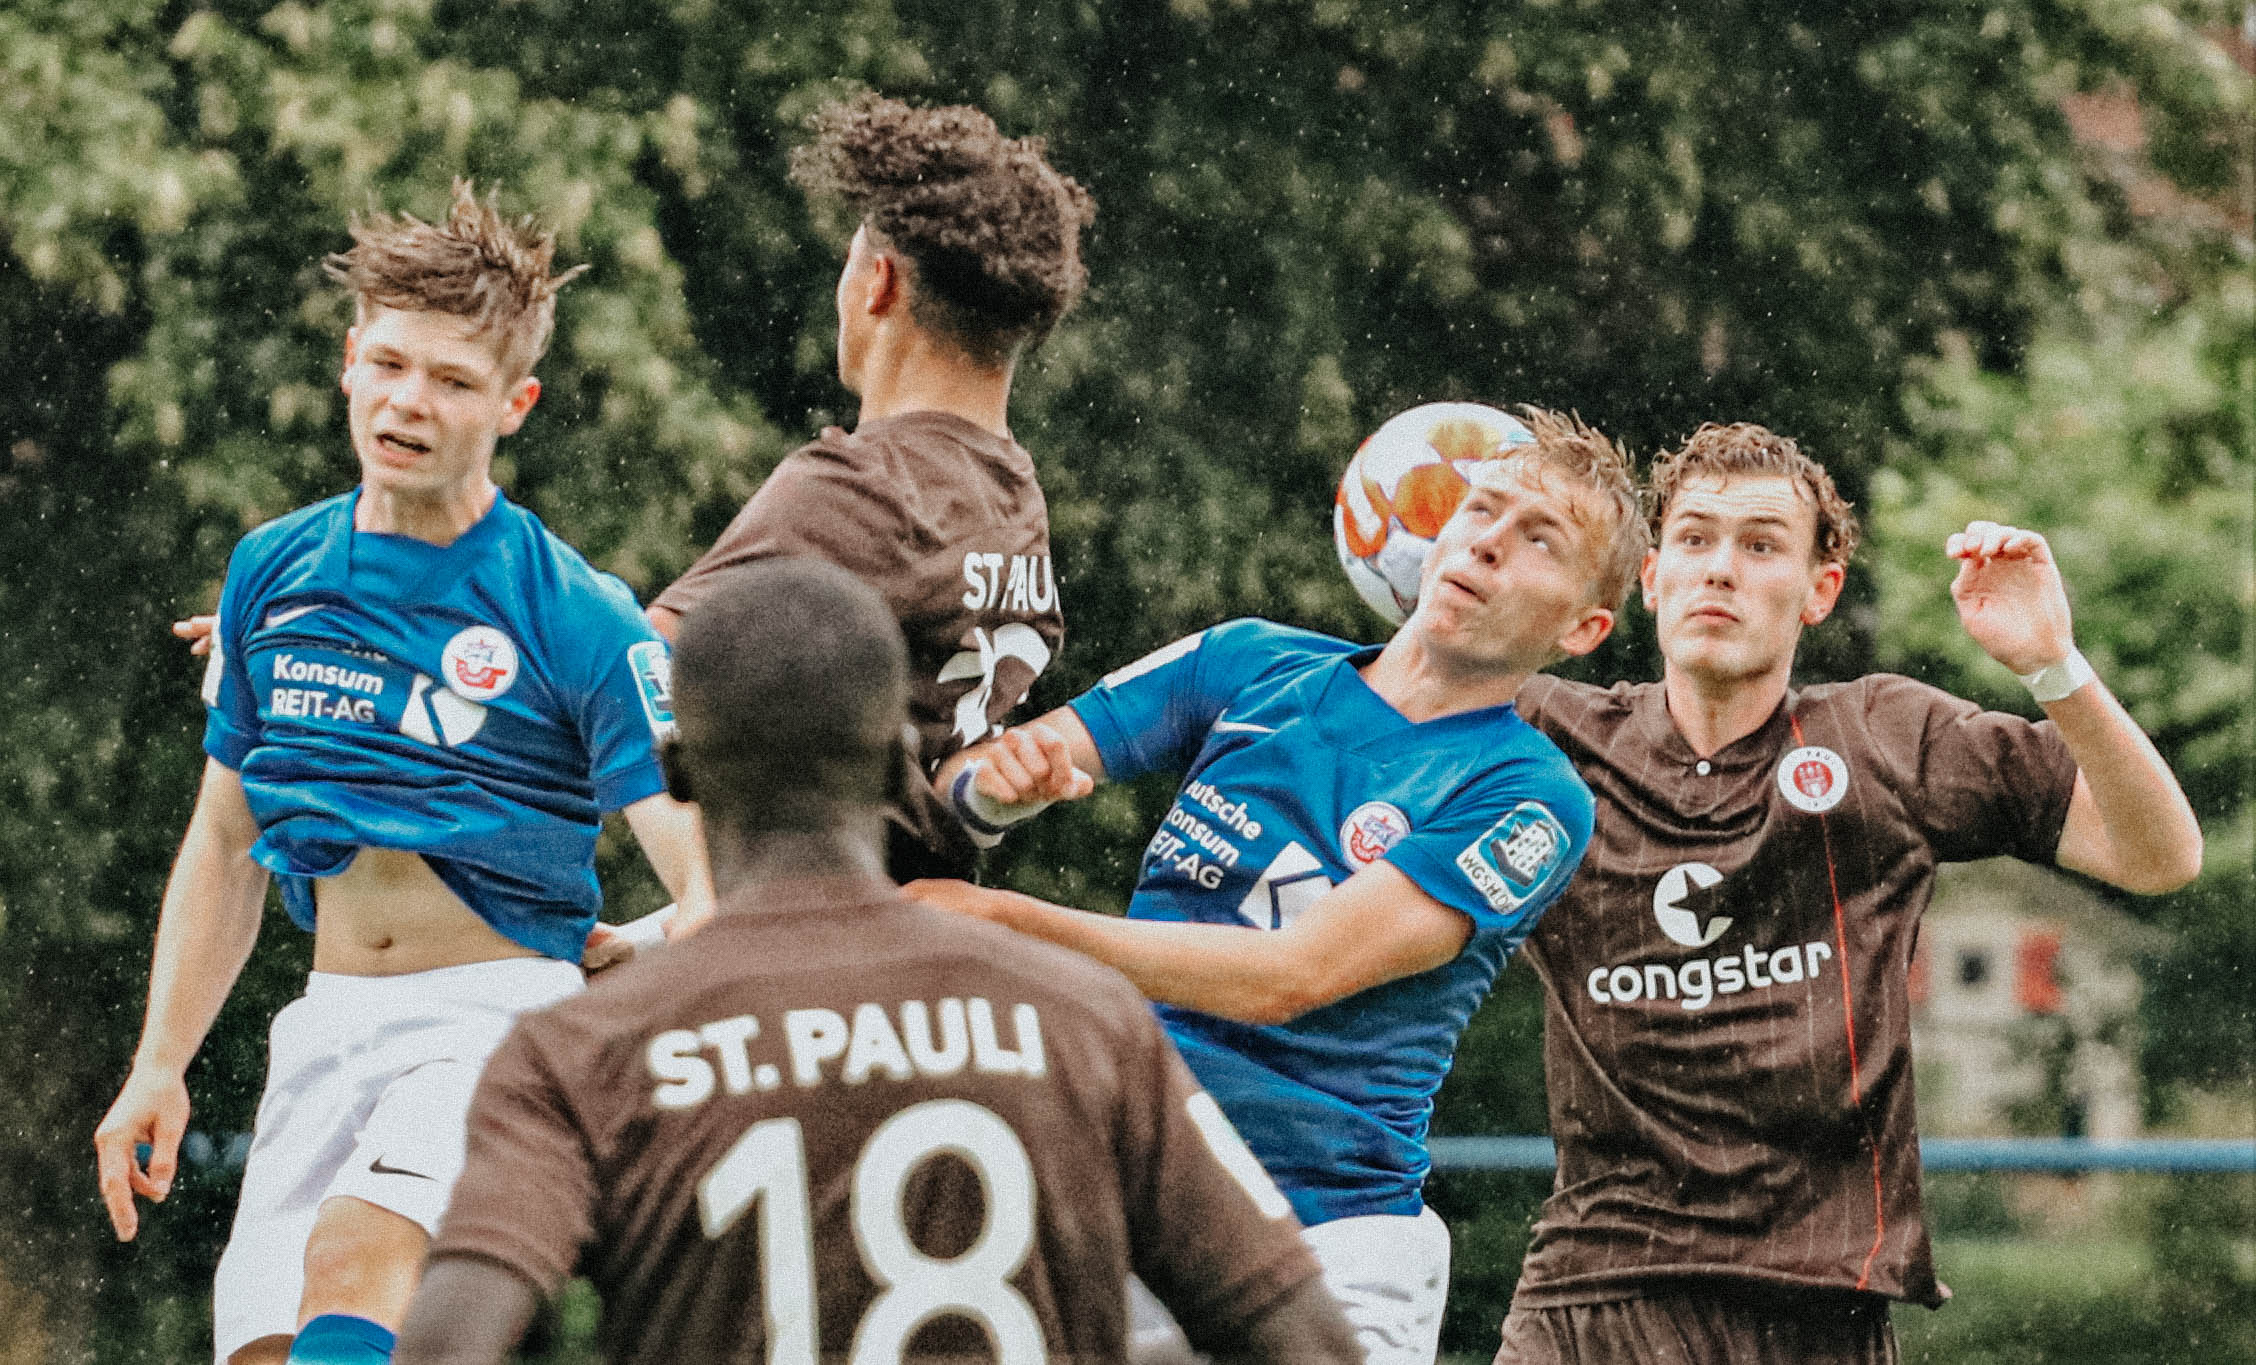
point(197, 631)
point(152, 1108)
point(963, 898)
point(1028, 764)
point(2009, 595)
point(606, 948)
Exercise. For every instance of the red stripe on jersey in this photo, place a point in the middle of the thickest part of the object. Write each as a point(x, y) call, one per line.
point(1848, 1023)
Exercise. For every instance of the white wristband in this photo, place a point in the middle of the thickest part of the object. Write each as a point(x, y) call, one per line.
point(984, 817)
point(2057, 681)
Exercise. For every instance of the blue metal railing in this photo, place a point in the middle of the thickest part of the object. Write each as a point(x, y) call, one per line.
point(2063, 1155)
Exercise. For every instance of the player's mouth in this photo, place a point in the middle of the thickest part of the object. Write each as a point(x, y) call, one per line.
point(403, 448)
point(1463, 585)
point(1712, 615)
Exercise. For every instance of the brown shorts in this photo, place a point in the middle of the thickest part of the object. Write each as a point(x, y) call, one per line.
point(1705, 1324)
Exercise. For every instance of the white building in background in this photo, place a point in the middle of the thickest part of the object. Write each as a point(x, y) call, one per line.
point(2025, 993)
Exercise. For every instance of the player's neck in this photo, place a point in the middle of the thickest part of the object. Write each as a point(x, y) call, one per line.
point(1713, 714)
point(1424, 684)
point(852, 851)
point(911, 371)
point(440, 519)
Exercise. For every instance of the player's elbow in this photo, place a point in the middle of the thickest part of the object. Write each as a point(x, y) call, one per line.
point(2167, 872)
point(1287, 995)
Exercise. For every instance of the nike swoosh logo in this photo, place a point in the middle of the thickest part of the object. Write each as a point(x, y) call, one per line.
point(380, 1168)
point(282, 616)
point(1244, 727)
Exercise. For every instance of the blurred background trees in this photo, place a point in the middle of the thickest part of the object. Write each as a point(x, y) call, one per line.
point(1871, 225)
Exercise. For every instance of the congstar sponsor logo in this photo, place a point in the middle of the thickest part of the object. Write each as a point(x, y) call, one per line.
point(1680, 904)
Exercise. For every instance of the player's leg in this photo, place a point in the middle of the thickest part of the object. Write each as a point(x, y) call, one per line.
point(428, 1034)
point(312, 1106)
point(1390, 1274)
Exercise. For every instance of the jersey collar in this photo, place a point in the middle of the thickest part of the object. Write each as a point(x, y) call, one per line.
point(1349, 715)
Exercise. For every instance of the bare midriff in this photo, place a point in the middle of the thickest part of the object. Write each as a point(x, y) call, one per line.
point(389, 914)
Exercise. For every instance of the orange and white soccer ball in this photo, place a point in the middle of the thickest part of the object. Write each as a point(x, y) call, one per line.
point(1403, 484)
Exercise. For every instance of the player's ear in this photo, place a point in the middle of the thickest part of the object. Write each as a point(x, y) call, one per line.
point(1587, 633)
point(1646, 591)
point(1825, 590)
point(522, 395)
point(677, 777)
point(344, 375)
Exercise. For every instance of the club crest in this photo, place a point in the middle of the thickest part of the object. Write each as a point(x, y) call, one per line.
point(1369, 831)
point(479, 664)
point(1813, 778)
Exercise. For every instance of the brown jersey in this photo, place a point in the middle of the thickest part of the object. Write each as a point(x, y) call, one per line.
point(906, 1130)
point(1727, 1036)
point(945, 519)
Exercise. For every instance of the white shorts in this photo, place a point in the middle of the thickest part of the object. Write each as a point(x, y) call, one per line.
point(368, 1085)
point(1390, 1273)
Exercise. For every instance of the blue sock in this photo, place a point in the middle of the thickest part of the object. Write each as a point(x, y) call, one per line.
point(338, 1339)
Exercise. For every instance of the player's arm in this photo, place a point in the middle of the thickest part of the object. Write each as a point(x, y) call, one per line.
point(2129, 823)
point(467, 1311)
point(1019, 774)
point(1305, 1327)
point(210, 919)
point(1375, 927)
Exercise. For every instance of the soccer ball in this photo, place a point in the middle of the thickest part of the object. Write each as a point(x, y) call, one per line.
point(1403, 484)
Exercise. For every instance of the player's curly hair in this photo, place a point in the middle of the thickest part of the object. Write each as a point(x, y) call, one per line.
point(991, 232)
point(1718, 450)
point(1601, 470)
point(476, 265)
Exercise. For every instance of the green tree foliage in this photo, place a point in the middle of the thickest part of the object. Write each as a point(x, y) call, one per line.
point(1312, 213)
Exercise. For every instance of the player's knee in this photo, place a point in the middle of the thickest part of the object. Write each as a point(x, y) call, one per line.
point(361, 1260)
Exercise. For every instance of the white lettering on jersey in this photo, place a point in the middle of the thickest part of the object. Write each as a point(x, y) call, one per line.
point(291, 668)
point(893, 1043)
point(1694, 985)
point(1028, 585)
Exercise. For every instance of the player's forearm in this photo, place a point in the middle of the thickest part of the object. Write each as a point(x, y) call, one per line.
point(205, 933)
point(2140, 832)
point(673, 841)
point(1219, 969)
point(465, 1312)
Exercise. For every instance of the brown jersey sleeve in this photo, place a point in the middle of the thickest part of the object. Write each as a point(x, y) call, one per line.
point(1988, 782)
point(1210, 1234)
point(527, 1192)
point(819, 502)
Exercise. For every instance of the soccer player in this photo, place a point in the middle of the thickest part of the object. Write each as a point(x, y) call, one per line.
point(968, 252)
point(1362, 836)
point(1726, 1039)
point(845, 1120)
point(421, 702)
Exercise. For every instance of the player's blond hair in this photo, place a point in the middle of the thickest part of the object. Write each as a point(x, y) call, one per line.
point(1598, 470)
point(476, 264)
point(1721, 451)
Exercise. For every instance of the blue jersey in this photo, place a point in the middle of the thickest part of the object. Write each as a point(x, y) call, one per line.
point(480, 703)
point(1297, 775)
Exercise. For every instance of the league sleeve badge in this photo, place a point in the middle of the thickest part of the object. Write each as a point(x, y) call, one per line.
point(653, 670)
point(1516, 857)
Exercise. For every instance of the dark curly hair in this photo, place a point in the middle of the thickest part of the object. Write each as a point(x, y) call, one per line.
point(991, 231)
point(1720, 451)
point(475, 264)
